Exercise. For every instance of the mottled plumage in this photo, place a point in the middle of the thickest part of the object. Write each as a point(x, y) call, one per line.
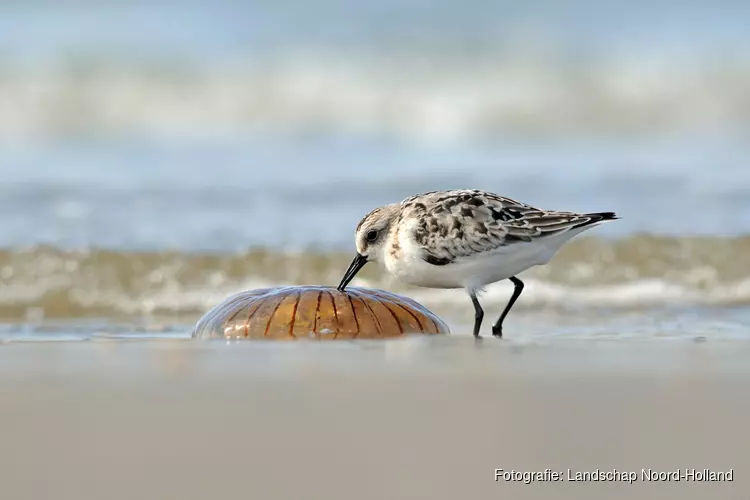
point(464, 239)
point(463, 223)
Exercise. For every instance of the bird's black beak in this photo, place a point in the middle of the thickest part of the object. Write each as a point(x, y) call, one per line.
point(357, 264)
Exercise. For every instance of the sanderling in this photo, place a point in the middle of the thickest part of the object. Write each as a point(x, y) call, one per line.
point(464, 238)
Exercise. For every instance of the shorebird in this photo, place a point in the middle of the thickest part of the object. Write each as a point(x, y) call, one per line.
point(464, 238)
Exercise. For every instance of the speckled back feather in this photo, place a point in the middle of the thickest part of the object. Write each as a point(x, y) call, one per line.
point(460, 223)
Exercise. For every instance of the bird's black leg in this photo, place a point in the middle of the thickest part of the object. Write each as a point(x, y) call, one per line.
point(497, 328)
point(478, 313)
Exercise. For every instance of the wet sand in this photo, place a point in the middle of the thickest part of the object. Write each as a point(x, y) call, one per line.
point(416, 418)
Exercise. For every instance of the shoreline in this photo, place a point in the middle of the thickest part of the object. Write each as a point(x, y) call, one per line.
point(455, 354)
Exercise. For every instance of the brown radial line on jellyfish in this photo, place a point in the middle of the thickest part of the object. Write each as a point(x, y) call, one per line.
point(395, 303)
point(354, 313)
point(348, 324)
point(417, 306)
point(395, 316)
point(258, 320)
point(257, 303)
point(434, 319)
point(270, 316)
point(335, 314)
point(346, 315)
point(317, 313)
point(369, 309)
point(367, 323)
point(380, 304)
point(416, 318)
point(281, 318)
point(305, 316)
point(233, 302)
point(294, 314)
point(325, 318)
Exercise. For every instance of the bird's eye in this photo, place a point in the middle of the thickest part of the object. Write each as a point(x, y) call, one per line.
point(371, 235)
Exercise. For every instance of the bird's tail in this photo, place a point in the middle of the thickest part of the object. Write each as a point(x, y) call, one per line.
point(598, 218)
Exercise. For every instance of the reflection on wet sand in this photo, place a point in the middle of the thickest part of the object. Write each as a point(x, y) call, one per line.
point(412, 418)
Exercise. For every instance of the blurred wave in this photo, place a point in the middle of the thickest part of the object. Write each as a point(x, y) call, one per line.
point(479, 98)
point(638, 271)
point(436, 71)
point(131, 128)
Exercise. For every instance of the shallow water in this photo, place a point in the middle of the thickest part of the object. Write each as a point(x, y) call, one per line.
point(527, 324)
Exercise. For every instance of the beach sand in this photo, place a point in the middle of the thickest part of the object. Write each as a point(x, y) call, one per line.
point(413, 418)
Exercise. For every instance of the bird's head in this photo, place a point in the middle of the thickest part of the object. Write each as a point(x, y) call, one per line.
point(371, 239)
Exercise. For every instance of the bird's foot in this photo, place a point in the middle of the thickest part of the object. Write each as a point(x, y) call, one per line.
point(497, 331)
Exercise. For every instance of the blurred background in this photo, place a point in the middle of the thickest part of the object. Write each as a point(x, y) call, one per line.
point(156, 156)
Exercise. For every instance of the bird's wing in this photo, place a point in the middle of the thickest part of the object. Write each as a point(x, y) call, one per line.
point(452, 225)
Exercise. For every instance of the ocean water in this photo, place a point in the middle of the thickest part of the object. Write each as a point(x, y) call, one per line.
point(157, 158)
